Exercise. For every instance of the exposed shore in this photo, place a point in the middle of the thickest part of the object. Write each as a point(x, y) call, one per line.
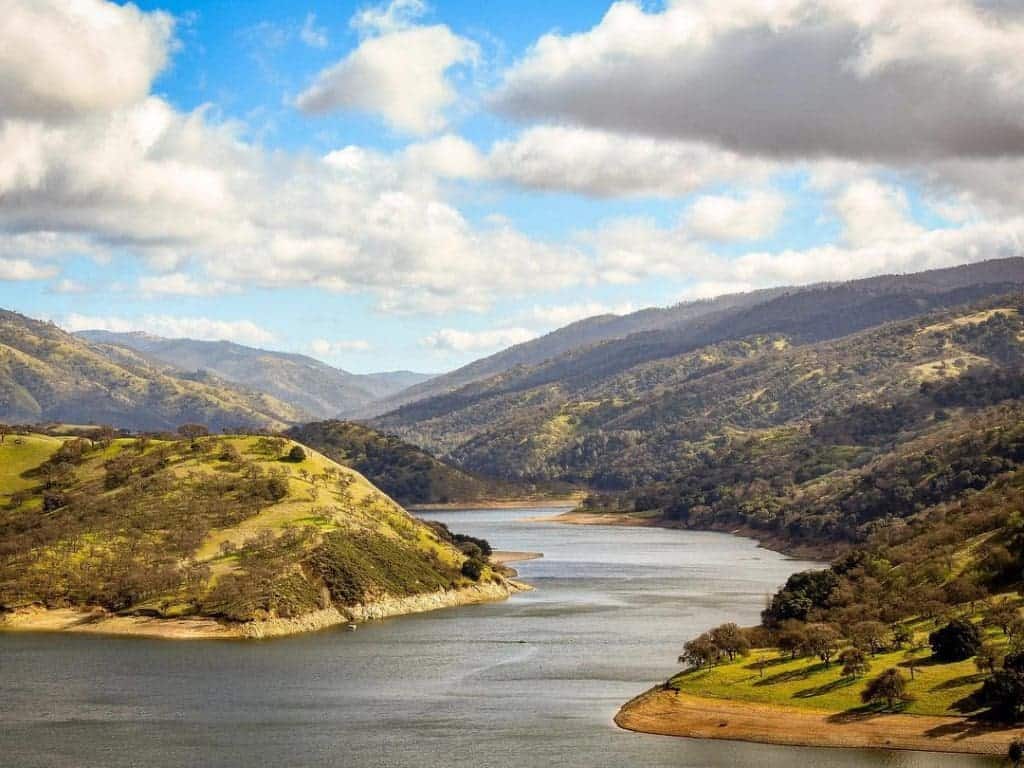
point(501, 557)
point(567, 502)
point(98, 621)
point(670, 713)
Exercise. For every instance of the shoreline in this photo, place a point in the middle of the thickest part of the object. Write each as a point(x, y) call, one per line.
point(99, 622)
point(820, 553)
point(504, 557)
point(670, 713)
point(561, 502)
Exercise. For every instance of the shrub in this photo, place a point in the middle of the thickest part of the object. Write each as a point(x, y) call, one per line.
point(472, 569)
point(957, 641)
point(297, 454)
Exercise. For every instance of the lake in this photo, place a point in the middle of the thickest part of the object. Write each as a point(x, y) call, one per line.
point(533, 681)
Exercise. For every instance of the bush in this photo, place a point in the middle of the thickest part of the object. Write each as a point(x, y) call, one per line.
point(1003, 694)
point(472, 569)
point(957, 641)
point(297, 454)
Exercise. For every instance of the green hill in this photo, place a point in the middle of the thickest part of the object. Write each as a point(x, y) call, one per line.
point(47, 375)
point(232, 528)
point(408, 474)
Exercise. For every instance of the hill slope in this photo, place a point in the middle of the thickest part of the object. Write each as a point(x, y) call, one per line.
point(49, 375)
point(238, 529)
point(408, 474)
point(317, 389)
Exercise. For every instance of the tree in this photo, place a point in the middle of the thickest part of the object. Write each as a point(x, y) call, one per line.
point(472, 569)
point(731, 640)
point(989, 657)
point(854, 662)
point(1016, 753)
point(869, 636)
point(5, 430)
point(193, 431)
point(700, 652)
point(297, 454)
point(901, 636)
point(957, 641)
point(911, 661)
point(1003, 694)
point(822, 641)
point(1002, 615)
point(793, 639)
point(890, 687)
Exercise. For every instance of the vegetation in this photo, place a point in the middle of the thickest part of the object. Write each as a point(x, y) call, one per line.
point(237, 527)
point(403, 471)
point(49, 375)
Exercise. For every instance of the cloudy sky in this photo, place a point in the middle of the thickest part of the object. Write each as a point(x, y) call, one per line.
point(413, 185)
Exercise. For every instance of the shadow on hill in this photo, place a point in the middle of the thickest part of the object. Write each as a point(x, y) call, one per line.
point(959, 682)
point(819, 690)
point(768, 663)
point(866, 712)
point(968, 727)
point(791, 675)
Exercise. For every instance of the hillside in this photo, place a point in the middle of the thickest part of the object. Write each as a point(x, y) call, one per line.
point(627, 412)
point(49, 375)
point(311, 386)
point(408, 474)
point(242, 530)
point(814, 312)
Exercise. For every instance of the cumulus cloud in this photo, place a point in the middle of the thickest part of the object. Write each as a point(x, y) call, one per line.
point(311, 34)
point(872, 212)
point(449, 340)
point(603, 164)
point(181, 284)
point(399, 71)
point(891, 79)
point(328, 348)
point(725, 218)
point(172, 326)
point(62, 58)
point(564, 314)
point(22, 269)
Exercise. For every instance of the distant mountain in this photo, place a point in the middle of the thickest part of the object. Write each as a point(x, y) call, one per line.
point(591, 330)
point(629, 411)
point(47, 374)
point(319, 390)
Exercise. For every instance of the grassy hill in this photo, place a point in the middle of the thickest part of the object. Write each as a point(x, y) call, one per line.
point(408, 474)
point(316, 389)
point(49, 375)
point(234, 528)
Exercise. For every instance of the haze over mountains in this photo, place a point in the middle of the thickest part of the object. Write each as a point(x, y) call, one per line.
point(320, 390)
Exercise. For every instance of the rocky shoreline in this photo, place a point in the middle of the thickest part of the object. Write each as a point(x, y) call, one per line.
point(98, 621)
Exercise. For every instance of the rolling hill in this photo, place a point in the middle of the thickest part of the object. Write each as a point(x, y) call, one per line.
point(319, 390)
point(247, 531)
point(47, 375)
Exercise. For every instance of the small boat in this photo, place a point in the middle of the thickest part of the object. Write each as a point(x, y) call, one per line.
point(351, 627)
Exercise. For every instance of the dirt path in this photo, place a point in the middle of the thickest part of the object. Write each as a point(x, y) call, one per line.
point(676, 714)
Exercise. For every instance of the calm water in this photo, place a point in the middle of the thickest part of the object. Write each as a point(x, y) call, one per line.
point(530, 682)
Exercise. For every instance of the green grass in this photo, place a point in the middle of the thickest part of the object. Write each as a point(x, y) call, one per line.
point(806, 683)
point(19, 454)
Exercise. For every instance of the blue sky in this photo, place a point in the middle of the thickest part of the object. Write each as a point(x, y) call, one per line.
point(413, 185)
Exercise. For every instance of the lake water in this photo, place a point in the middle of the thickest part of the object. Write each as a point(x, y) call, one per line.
point(530, 682)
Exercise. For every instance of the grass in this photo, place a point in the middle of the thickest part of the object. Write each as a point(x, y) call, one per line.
point(807, 683)
point(18, 455)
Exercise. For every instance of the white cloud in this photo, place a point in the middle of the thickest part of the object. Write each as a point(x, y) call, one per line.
point(448, 156)
point(69, 286)
point(725, 218)
point(172, 326)
point(61, 58)
point(564, 314)
point(181, 284)
point(603, 164)
point(326, 348)
point(891, 79)
point(311, 34)
point(449, 340)
point(872, 212)
point(22, 269)
point(399, 72)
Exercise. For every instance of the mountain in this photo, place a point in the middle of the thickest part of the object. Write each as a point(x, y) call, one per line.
point(408, 474)
point(630, 411)
point(245, 530)
point(319, 390)
point(47, 375)
point(582, 333)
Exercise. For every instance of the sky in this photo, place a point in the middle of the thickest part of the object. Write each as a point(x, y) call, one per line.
point(415, 185)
